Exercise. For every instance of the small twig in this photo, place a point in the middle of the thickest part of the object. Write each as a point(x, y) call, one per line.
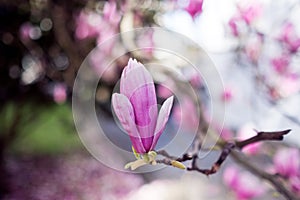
point(261, 136)
point(184, 157)
point(165, 154)
point(164, 161)
point(216, 166)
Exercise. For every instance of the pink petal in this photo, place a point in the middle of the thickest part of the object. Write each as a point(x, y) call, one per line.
point(164, 91)
point(287, 162)
point(294, 162)
point(137, 85)
point(125, 114)
point(194, 7)
point(247, 186)
point(245, 132)
point(280, 64)
point(110, 13)
point(251, 12)
point(88, 24)
point(162, 119)
point(60, 93)
point(233, 24)
point(230, 177)
point(186, 114)
point(243, 184)
point(295, 184)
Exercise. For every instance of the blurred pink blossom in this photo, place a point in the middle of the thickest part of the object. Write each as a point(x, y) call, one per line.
point(287, 162)
point(101, 56)
point(295, 184)
point(289, 37)
point(250, 11)
point(111, 20)
point(100, 63)
point(288, 30)
point(145, 41)
point(253, 48)
point(280, 64)
point(101, 26)
point(247, 12)
point(230, 177)
point(109, 26)
point(245, 132)
point(105, 40)
point(194, 7)
point(244, 185)
point(111, 14)
point(164, 91)
point(288, 85)
point(25, 31)
point(88, 24)
point(59, 93)
point(227, 94)
point(226, 133)
point(186, 113)
point(233, 25)
point(196, 80)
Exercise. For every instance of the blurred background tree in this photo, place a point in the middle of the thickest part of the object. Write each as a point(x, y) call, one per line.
point(44, 42)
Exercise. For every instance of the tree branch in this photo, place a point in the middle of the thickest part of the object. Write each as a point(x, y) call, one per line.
point(216, 166)
point(62, 35)
point(262, 136)
point(226, 151)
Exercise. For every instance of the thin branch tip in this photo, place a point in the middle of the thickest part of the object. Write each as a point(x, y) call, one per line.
point(287, 131)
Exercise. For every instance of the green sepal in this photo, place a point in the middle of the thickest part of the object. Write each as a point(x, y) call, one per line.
point(147, 158)
point(137, 156)
point(135, 164)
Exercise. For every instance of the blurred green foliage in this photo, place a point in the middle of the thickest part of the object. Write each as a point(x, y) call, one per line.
point(40, 129)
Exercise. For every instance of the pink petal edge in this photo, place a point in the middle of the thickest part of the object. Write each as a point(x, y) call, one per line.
point(133, 77)
point(162, 119)
point(125, 114)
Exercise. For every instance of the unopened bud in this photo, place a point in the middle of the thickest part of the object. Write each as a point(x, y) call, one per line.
point(177, 164)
